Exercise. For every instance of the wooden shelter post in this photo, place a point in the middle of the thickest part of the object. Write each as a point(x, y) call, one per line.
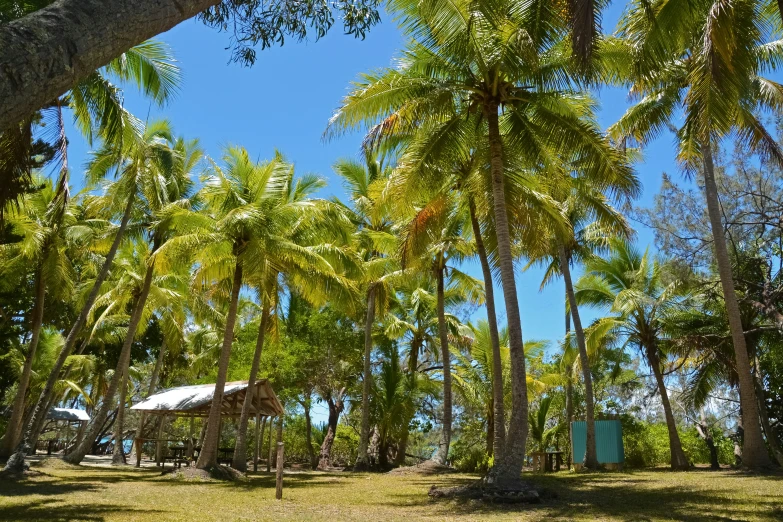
point(271, 448)
point(279, 464)
point(158, 446)
point(255, 450)
point(190, 437)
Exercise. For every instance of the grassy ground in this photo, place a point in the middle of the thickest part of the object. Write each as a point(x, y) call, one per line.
point(127, 494)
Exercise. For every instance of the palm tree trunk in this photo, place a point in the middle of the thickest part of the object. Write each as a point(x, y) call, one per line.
point(754, 452)
point(678, 460)
point(119, 379)
point(445, 438)
point(772, 440)
point(37, 419)
point(335, 409)
point(309, 431)
point(240, 450)
point(15, 423)
point(508, 468)
point(362, 461)
point(590, 458)
point(413, 365)
point(499, 414)
point(153, 383)
point(208, 456)
point(118, 451)
point(569, 393)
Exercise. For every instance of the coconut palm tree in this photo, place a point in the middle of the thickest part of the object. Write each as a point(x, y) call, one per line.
point(44, 223)
point(631, 286)
point(464, 62)
point(698, 67)
point(375, 243)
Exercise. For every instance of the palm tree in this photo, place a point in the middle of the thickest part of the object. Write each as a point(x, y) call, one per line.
point(464, 62)
point(706, 61)
point(44, 224)
point(431, 239)
point(592, 220)
point(631, 285)
point(292, 245)
point(153, 176)
point(374, 244)
point(132, 159)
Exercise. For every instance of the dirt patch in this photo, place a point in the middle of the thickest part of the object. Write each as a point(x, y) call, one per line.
point(52, 463)
point(427, 467)
point(218, 473)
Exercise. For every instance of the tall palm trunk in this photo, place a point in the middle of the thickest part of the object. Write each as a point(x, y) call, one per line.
point(336, 405)
point(118, 450)
point(413, 365)
point(153, 383)
point(118, 381)
point(499, 414)
point(37, 419)
point(208, 456)
point(569, 393)
point(445, 437)
point(679, 462)
point(590, 458)
point(508, 469)
point(240, 451)
point(14, 430)
point(362, 460)
point(754, 452)
point(306, 403)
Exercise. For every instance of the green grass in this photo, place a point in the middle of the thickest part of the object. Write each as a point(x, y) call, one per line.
point(91, 493)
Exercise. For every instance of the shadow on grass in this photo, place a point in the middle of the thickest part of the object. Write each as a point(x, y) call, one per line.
point(55, 512)
point(621, 496)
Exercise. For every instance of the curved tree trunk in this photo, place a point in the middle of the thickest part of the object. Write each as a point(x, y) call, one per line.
point(362, 459)
point(508, 468)
point(37, 419)
point(240, 451)
point(208, 456)
point(442, 455)
point(43, 54)
point(119, 379)
point(679, 462)
point(118, 451)
point(754, 452)
point(498, 413)
point(413, 365)
point(14, 430)
point(335, 409)
point(704, 433)
point(590, 458)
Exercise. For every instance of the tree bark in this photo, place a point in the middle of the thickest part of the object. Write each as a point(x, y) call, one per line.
point(240, 451)
point(442, 455)
point(362, 461)
point(37, 419)
point(336, 406)
point(706, 435)
point(508, 468)
point(413, 366)
point(44, 53)
point(153, 383)
point(309, 432)
point(118, 381)
point(499, 414)
point(678, 460)
point(569, 393)
point(754, 452)
point(590, 458)
point(208, 456)
point(14, 430)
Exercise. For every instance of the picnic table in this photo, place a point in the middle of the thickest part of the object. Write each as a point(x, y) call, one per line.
point(546, 461)
point(225, 456)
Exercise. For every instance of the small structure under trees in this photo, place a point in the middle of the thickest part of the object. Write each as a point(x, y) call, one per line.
point(195, 401)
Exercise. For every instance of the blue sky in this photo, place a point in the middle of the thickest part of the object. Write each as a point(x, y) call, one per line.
point(285, 100)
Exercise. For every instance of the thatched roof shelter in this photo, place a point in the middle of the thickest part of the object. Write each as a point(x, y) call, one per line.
point(195, 401)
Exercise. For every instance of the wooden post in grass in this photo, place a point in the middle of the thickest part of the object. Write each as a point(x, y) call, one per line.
point(279, 465)
point(190, 437)
point(158, 444)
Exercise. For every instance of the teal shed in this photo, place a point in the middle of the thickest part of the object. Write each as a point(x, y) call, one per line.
point(608, 442)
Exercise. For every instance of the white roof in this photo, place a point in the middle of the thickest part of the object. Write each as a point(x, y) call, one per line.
point(198, 398)
point(68, 414)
